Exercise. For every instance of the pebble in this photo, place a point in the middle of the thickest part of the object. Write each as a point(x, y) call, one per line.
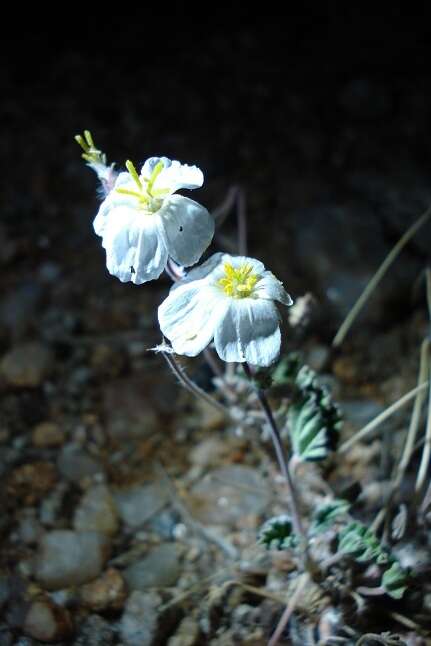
point(28, 483)
point(187, 634)
point(137, 504)
point(29, 528)
point(95, 631)
point(139, 620)
point(225, 495)
point(211, 419)
point(96, 511)
point(75, 464)
point(209, 452)
point(47, 434)
point(108, 592)
point(26, 365)
point(159, 569)
point(47, 622)
point(67, 558)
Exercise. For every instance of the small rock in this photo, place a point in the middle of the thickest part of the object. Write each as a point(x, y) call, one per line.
point(95, 631)
point(75, 464)
point(108, 592)
point(224, 496)
point(47, 434)
point(139, 621)
point(137, 504)
point(159, 569)
point(97, 512)
point(28, 483)
point(67, 558)
point(187, 634)
point(210, 417)
point(29, 528)
point(26, 365)
point(209, 452)
point(47, 622)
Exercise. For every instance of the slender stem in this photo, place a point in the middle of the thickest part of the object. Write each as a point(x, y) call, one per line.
point(371, 592)
point(288, 611)
point(282, 460)
point(190, 385)
point(375, 280)
point(368, 428)
point(426, 453)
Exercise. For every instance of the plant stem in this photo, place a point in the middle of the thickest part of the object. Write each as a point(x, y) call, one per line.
point(368, 428)
point(288, 611)
point(282, 461)
point(190, 385)
point(375, 280)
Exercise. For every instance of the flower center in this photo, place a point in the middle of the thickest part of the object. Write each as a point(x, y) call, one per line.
point(238, 282)
point(148, 198)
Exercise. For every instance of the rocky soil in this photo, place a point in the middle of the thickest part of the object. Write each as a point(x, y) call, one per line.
point(130, 512)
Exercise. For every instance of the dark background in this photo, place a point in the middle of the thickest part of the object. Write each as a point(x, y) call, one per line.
point(322, 115)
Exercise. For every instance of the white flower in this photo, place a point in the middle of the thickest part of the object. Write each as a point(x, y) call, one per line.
point(229, 299)
point(142, 222)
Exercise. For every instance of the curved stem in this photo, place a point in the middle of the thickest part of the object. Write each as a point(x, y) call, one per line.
point(368, 428)
point(190, 385)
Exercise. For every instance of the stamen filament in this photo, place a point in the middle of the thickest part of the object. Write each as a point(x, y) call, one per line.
point(133, 172)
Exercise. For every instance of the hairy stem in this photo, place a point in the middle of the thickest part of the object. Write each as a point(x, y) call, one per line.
point(190, 385)
point(283, 463)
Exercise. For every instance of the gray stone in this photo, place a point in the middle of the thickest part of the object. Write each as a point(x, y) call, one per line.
point(67, 558)
point(159, 569)
point(97, 512)
point(137, 504)
point(75, 464)
point(139, 620)
point(226, 495)
point(26, 365)
point(95, 631)
point(47, 622)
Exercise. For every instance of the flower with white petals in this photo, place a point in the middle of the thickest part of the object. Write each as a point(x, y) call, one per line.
point(142, 223)
point(229, 299)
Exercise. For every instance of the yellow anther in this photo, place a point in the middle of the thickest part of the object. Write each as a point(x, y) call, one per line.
point(238, 282)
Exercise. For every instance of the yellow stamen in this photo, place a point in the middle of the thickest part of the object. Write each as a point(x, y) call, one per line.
point(238, 282)
point(154, 175)
point(134, 173)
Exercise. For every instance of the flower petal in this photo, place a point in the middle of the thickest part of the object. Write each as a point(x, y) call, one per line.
point(173, 176)
point(114, 200)
point(249, 331)
point(271, 288)
point(135, 250)
point(188, 229)
point(188, 316)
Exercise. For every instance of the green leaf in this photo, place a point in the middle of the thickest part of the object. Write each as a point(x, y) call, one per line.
point(325, 516)
point(360, 542)
point(314, 421)
point(277, 533)
point(395, 581)
point(286, 370)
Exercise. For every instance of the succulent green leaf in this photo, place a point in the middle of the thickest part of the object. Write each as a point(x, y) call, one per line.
point(314, 421)
point(362, 544)
point(277, 533)
point(395, 581)
point(325, 516)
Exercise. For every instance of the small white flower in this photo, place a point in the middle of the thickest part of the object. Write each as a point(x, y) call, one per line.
point(229, 299)
point(142, 222)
